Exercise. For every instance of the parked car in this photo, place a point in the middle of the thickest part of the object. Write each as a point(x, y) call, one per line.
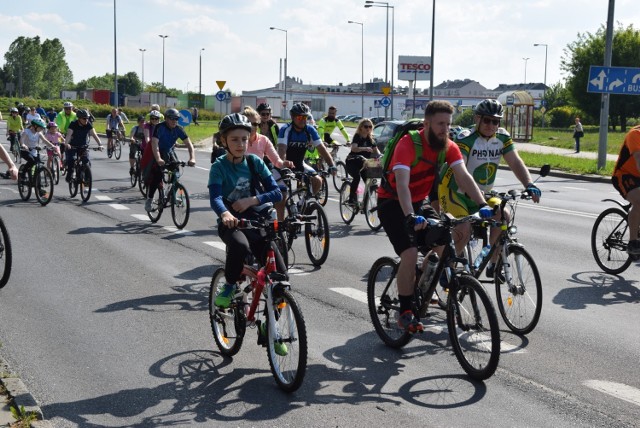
point(348, 118)
point(384, 131)
point(376, 120)
point(341, 116)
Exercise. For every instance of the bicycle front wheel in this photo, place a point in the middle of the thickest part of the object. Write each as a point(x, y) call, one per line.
point(341, 174)
point(347, 211)
point(86, 181)
point(16, 154)
point(608, 241)
point(73, 184)
point(142, 187)
point(157, 205)
point(371, 209)
point(180, 206)
point(323, 196)
point(44, 185)
point(287, 342)
point(55, 170)
point(5, 254)
point(384, 304)
point(228, 325)
point(117, 149)
point(520, 302)
point(473, 328)
point(24, 183)
point(133, 177)
point(316, 234)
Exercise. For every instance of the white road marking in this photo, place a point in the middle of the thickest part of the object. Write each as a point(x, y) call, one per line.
point(177, 231)
point(358, 295)
point(618, 390)
point(216, 244)
point(205, 169)
point(573, 188)
point(103, 198)
point(119, 206)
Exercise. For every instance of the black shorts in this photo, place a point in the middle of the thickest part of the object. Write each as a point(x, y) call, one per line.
point(625, 183)
point(392, 219)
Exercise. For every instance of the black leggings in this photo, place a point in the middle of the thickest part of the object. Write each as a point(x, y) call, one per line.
point(241, 243)
point(354, 167)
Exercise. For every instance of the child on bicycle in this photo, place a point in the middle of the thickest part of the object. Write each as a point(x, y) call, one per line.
point(29, 140)
point(233, 180)
point(137, 137)
point(54, 137)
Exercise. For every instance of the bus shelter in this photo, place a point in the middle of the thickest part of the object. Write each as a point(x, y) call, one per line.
point(518, 114)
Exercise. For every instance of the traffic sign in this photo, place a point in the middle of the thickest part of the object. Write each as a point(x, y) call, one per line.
point(386, 90)
point(614, 80)
point(385, 102)
point(185, 118)
point(221, 95)
point(220, 84)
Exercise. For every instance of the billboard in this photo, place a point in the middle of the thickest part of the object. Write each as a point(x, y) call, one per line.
point(414, 67)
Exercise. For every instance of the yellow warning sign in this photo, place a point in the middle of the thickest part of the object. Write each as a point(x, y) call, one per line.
point(386, 90)
point(221, 83)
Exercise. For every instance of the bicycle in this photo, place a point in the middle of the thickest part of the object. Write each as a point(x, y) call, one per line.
point(175, 194)
point(117, 142)
point(302, 210)
point(81, 173)
point(53, 163)
point(369, 204)
point(14, 141)
point(263, 301)
point(136, 175)
point(37, 177)
point(609, 239)
point(471, 319)
point(5, 249)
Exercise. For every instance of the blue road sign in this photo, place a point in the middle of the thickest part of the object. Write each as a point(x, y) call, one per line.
point(221, 95)
point(185, 118)
point(385, 102)
point(614, 80)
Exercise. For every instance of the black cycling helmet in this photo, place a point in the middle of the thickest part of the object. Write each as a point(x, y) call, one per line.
point(299, 109)
point(262, 107)
point(489, 107)
point(172, 114)
point(234, 121)
point(82, 114)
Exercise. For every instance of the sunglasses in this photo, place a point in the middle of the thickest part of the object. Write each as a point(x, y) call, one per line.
point(266, 113)
point(255, 124)
point(155, 118)
point(300, 117)
point(367, 126)
point(487, 121)
point(173, 117)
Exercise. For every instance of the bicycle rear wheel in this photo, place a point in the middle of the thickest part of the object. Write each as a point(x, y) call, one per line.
point(86, 181)
point(287, 342)
point(227, 325)
point(370, 213)
point(341, 174)
point(16, 154)
point(316, 234)
point(608, 241)
point(180, 206)
point(24, 183)
point(473, 328)
point(383, 302)
point(157, 205)
point(117, 149)
point(347, 212)
point(520, 303)
point(44, 185)
point(5, 254)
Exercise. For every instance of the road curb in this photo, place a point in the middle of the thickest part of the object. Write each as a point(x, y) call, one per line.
point(20, 396)
point(562, 174)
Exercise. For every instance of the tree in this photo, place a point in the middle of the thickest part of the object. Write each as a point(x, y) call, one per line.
point(589, 50)
point(24, 65)
point(57, 74)
point(130, 84)
point(557, 96)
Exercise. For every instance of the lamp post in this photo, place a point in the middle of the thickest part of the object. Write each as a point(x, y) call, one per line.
point(200, 81)
point(525, 69)
point(361, 64)
point(544, 90)
point(370, 3)
point(115, 54)
point(143, 51)
point(163, 37)
point(286, 57)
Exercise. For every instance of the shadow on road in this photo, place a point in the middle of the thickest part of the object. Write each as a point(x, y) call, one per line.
point(597, 288)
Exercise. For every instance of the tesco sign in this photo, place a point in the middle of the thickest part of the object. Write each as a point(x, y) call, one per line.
point(414, 67)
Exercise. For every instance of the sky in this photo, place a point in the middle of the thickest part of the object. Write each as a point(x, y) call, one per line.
point(482, 40)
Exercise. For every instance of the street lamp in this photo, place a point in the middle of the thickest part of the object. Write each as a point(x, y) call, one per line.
point(370, 3)
point(200, 84)
point(544, 90)
point(286, 57)
point(525, 69)
point(163, 37)
point(361, 63)
point(143, 51)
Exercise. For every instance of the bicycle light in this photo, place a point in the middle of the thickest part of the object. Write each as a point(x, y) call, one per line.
point(513, 230)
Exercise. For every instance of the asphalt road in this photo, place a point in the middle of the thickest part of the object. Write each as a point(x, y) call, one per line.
point(105, 319)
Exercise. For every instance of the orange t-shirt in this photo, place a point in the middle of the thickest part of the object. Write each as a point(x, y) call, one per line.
point(626, 163)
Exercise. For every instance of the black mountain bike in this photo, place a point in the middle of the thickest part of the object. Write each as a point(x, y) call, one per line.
point(37, 177)
point(81, 174)
point(609, 238)
point(171, 192)
point(369, 204)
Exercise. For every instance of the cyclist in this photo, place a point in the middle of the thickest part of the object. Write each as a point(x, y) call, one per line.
point(328, 124)
point(114, 127)
point(231, 181)
point(362, 145)
point(137, 137)
point(162, 150)
point(65, 117)
point(400, 202)
point(267, 126)
point(54, 137)
point(626, 180)
point(29, 140)
point(14, 127)
point(156, 108)
point(260, 145)
point(293, 140)
point(123, 115)
point(149, 126)
point(77, 138)
point(32, 115)
point(482, 147)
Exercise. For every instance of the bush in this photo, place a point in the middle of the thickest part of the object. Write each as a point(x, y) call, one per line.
point(464, 119)
point(563, 117)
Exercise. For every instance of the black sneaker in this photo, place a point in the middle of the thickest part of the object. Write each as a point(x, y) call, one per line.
point(633, 247)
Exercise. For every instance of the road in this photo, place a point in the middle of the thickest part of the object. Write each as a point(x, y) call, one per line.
point(105, 319)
